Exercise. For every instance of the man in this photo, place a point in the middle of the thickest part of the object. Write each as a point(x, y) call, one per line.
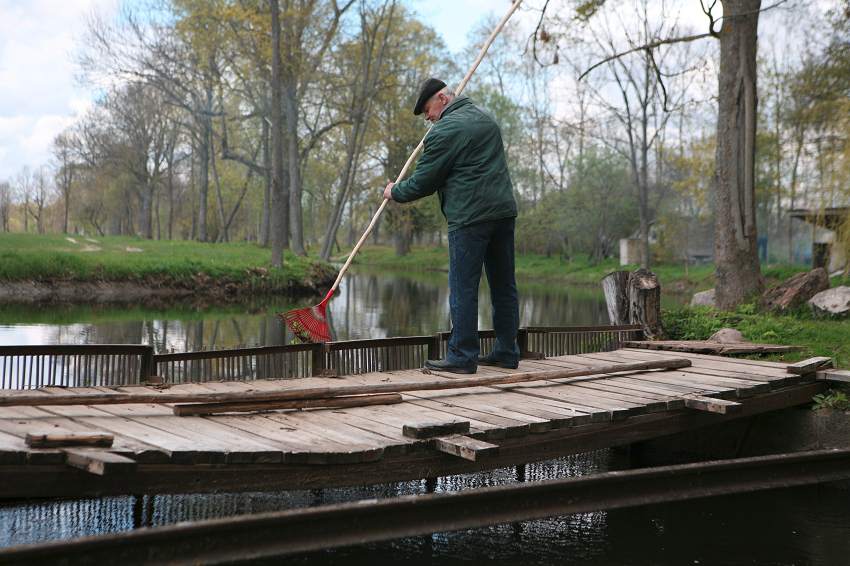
point(464, 162)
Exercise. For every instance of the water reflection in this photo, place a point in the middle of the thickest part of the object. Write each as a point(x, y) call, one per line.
point(368, 305)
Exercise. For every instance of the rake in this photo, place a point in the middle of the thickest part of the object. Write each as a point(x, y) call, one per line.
point(310, 324)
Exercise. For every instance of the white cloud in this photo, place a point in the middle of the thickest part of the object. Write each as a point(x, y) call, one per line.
point(40, 96)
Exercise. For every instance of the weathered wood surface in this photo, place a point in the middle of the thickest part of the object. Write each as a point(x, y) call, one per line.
point(709, 347)
point(504, 407)
point(198, 409)
point(810, 365)
point(104, 396)
point(55, 439)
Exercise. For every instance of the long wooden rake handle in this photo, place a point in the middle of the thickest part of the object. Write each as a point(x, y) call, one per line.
point(412, 158)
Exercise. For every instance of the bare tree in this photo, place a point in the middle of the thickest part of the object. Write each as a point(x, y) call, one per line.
point(736, 257)
point(63, 152)
point(373, 47)
point(5, 205)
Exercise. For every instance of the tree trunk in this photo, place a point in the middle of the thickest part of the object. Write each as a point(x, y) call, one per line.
point(737, 268)
point(296, 224)
point(267, 194)
point(280, 205)
point(204, 174)
point(615, 289)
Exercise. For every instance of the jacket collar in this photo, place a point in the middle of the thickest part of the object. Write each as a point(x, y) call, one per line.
point(458, 102)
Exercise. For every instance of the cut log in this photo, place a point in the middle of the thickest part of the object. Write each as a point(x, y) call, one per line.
point(38, 399)
point(465, 447)
point(645, 302)
point(711, 405)
point(98, 462)
point(197, 409)
point(430, 430)
point(810, 365)
point(57, 438)
point(615, 287)
point(795, 291)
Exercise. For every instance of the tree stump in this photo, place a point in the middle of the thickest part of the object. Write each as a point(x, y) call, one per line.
point(634, 298)
point(615, 286)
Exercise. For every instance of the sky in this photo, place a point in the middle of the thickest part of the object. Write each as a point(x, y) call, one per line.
point(39, 93)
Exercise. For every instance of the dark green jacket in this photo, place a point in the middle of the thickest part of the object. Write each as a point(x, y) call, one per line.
point(464, 162)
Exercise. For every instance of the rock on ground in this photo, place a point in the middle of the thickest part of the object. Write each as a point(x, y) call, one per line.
point(795, 291)
point(727, 336)
point(832, 302)
point(704, 299)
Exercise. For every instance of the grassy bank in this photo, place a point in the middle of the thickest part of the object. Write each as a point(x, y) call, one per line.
point(52, 258)
point(818, 336)
point(578, 270)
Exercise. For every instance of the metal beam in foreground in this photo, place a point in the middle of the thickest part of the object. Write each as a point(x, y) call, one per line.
point(303, 530)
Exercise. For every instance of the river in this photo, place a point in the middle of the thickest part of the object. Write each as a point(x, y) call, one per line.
point(807, 525)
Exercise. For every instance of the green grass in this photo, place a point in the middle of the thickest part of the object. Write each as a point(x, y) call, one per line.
point(55, 257)
point(818, 336)
point(579, 270)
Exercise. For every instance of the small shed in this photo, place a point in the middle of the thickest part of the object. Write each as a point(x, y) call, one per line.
point(827, 251)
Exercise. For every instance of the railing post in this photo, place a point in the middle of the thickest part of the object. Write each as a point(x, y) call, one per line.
point(147, 366)
point(318, 359)
point(522, 342)
point(434, 347)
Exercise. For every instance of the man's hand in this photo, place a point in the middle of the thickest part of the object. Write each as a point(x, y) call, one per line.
point(388, 191)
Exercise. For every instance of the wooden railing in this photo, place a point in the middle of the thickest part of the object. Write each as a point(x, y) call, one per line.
point(28, 367)
point(25, 367)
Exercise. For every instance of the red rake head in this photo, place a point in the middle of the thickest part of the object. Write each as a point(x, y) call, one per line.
point(309, 324)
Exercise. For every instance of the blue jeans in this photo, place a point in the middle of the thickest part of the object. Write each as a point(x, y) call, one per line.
point(491, 245)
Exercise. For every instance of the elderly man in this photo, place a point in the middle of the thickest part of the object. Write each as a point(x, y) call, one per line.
point(464, 162)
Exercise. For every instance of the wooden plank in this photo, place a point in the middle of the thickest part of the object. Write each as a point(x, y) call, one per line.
point(743, 387)
point(429, 430)
point(810, 365)
point(707, 357)
point(836, 375)
point(324, 392)
point(98, 462)
point(198, 409)
point(57, 438)
point(19, 421)
point(707, 347)
point(712, 405)
point(465, 447)
point(178, 448)
point(230, 445)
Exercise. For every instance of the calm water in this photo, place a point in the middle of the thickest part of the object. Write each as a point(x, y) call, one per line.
point(797, 526)
point(368, 305)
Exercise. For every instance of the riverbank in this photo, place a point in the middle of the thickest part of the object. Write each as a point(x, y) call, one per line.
point(578, 270)
point(59, 268)
point(818, 336)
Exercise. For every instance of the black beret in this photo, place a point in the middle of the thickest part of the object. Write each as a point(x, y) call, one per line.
point(428, 89)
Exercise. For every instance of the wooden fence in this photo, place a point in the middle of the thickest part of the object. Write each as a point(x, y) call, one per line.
point(26, 367)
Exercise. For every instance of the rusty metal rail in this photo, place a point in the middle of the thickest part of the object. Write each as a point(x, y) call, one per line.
point(25, 367)
point(294, 531)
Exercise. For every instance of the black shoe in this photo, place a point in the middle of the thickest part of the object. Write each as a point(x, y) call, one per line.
point(491, 361)
point(443, 365)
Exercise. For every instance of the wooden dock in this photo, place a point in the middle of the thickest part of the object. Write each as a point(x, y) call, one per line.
point(156, 451)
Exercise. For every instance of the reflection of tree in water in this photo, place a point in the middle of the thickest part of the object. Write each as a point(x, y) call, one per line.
point(410, 307)
point(368, 305)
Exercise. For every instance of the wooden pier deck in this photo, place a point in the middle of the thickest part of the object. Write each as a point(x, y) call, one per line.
point(156, 451)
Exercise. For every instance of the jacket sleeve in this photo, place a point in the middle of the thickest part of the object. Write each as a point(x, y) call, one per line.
point(432, 169)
